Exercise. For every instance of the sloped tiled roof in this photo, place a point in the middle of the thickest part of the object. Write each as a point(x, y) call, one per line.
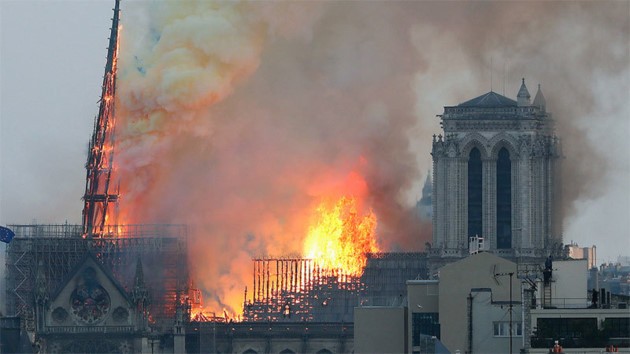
point(490, 99)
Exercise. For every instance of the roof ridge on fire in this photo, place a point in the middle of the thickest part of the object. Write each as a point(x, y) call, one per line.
point(490, 99)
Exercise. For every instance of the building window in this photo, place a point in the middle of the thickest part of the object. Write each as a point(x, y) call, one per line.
point(475, 189)
point(573, 332)
point(424, 324)
point(617, 327)
point(504, 200)
point(502, 329)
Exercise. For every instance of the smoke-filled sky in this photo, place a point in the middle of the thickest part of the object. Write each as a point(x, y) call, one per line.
point(238, 118)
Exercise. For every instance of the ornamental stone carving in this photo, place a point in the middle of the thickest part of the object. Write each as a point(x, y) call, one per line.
point(518, 196)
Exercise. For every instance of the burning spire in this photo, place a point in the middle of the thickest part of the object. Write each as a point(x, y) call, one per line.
point(97, 196)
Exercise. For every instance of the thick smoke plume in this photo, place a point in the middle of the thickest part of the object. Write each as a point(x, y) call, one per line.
point(238, 118)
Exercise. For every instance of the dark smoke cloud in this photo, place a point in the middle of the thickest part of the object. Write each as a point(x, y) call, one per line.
point(355, 89)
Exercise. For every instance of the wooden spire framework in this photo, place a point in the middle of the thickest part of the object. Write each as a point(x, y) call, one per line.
point(99, 197)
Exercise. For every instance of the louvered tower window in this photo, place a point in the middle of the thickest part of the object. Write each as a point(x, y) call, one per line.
point(474, 193)
point(504, 200)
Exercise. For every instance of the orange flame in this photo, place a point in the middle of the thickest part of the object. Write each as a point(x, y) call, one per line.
point(340, 238)
point(205, 315)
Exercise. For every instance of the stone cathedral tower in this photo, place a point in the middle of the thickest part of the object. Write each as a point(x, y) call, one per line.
point(496, 176)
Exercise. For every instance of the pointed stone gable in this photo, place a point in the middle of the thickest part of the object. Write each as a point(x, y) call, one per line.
point(90, 297)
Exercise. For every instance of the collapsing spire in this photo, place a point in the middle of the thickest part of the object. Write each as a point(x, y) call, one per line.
point(97, 197)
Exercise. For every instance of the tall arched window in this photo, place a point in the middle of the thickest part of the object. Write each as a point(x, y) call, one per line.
point(504, 200)
point(474, 193)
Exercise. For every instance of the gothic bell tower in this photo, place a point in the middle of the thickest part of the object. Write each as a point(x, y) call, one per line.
point(496, 176)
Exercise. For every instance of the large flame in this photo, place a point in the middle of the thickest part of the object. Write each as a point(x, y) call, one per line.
point(340, 238)
point(205, 122)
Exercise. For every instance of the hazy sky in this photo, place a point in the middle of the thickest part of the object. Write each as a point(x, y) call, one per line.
point(52, 63)
point(52, 57)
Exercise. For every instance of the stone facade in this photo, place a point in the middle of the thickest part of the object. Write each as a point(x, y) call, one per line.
point(270, 337)
point(89, 312)
point(496, 175)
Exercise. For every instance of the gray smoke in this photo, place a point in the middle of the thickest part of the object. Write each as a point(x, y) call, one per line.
point(354, 89)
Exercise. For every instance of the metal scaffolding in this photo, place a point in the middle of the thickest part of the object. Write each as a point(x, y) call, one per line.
point(298, 289)
point(386, 274)
point(59, 248)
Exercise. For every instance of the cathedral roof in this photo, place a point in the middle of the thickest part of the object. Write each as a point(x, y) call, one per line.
point(490, 99)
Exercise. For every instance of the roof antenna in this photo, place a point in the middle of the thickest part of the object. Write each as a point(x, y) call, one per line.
point(490, 73)
point(504, 65)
